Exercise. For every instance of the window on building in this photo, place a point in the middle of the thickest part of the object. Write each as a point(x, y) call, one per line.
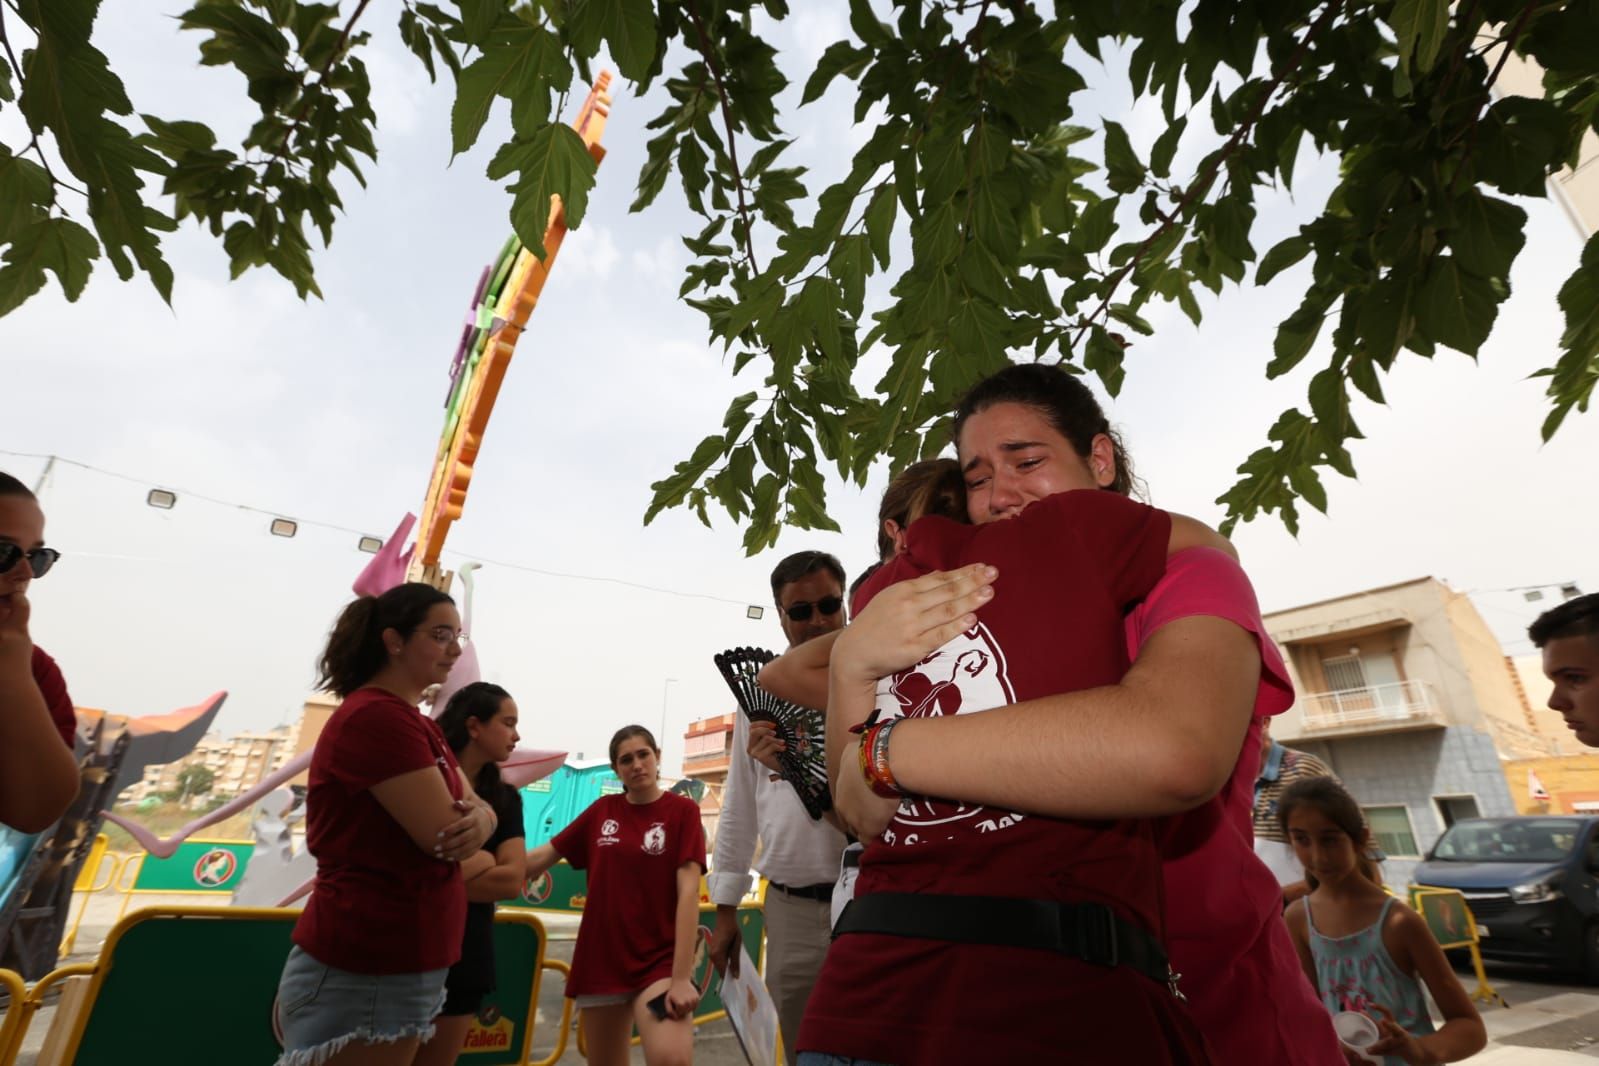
point(1344, 673)
point(1452, 809)
point(1391, 828)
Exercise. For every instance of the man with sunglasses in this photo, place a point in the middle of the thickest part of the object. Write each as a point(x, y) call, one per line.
point(799, 856)
point(38, 774)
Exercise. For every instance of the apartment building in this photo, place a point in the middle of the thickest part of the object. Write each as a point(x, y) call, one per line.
point(1405, 692)
point(236, 763)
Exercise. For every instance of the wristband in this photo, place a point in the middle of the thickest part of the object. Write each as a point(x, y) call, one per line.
point(874, 759)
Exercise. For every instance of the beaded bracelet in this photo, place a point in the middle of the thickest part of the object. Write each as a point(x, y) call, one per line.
point(874, 759)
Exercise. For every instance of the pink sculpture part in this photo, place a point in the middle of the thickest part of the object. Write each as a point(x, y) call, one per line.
point(166, 847)
point(388, 566)
point(525, 766)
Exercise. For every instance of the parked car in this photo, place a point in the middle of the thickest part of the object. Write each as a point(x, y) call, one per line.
point(1532, 883)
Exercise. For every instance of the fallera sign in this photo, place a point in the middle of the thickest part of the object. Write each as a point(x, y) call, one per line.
point(482, 1038)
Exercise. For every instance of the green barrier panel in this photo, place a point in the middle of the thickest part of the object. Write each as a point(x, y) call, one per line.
point(560, 888)
point(503, 1031)
point(1447, 915)
point(195, 987)
point(202, 866)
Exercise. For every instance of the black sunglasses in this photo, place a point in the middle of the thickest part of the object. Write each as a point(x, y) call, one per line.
point(801, 611)
point(41, 559)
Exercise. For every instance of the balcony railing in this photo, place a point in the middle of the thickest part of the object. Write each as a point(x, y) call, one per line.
point(1401, 705)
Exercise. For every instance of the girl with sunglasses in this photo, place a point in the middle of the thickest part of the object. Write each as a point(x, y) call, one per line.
point(389, 816)
point(38, 774)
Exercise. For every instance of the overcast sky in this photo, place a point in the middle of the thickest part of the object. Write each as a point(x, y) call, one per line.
point(329, 412)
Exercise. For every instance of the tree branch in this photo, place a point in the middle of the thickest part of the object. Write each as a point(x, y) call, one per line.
point(33, 145)
point(1202, 183)
point(715, 67)
point(321, 76)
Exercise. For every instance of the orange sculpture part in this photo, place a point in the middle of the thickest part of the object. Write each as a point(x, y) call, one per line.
point(452, 473)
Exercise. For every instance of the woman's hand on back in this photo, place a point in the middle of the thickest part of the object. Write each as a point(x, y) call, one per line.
point(908, 620)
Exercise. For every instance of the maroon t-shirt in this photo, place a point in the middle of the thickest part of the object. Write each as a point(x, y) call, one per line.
point(632, 852)
point(1069, 567)
point(380, 904)
point(47, 675)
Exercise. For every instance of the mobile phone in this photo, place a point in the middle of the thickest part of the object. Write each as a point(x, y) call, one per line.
point(657, 1007)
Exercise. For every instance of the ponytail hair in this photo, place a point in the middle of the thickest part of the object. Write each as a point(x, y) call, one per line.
point(480, 701)
point(932, 486)
point(1327, 796)
point(355, 651)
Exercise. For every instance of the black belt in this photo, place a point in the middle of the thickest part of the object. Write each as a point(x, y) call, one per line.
point(852, 858)
point(822, 893)
point(1091, 932)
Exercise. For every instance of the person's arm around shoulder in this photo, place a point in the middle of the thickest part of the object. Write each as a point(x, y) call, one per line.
point(38, 773)
point(799, 675)
point(1162, 741)
point(1462, 1034)
point(1299, 932)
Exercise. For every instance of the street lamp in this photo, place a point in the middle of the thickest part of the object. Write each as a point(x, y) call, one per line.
point(1534, 593)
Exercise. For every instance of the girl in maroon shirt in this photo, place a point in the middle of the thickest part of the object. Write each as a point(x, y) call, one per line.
point(388, 817)
point(1095, 766)
point(38, 775)
point(634, 964)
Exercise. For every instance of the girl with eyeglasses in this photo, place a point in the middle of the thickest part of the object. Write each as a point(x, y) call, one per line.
point(389, 817)
point(38, 774)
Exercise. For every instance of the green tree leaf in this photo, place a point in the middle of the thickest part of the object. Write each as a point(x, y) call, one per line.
point(1123, 171)
point(57, 245)
point(552, 162)
point(1420, 26)
point(1489, 235)
point(626, 26)
point(1457, 308)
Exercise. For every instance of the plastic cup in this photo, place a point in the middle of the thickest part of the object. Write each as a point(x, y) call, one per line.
point(1357, 1033)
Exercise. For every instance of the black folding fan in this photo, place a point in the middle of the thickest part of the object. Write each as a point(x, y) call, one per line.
point(804, 761)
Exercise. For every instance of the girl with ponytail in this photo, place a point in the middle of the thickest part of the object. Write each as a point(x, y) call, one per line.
point(389, 817)
point(479, 724)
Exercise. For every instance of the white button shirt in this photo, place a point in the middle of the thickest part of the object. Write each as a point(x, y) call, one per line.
point(795, 850)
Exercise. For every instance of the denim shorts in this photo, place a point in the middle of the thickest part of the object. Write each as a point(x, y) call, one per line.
point(321, 1008)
